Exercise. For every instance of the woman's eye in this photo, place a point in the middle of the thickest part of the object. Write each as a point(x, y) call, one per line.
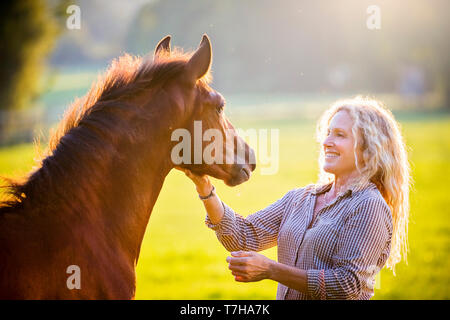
point(337, 134)
point(220, 108)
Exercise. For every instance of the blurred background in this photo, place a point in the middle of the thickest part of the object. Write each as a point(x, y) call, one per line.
point(279, 64)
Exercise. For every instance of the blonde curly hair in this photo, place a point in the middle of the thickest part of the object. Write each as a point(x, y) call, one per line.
point(384, 162)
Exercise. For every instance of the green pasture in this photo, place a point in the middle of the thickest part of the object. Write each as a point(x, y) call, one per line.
point(182, 259)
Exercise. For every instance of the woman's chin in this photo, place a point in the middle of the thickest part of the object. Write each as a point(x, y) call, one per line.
point(329, 169)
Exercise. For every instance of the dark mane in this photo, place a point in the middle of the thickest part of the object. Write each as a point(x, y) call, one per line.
point(125, 77)
point(93, 125)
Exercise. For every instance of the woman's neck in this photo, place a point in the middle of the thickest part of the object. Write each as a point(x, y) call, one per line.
point(342, 182)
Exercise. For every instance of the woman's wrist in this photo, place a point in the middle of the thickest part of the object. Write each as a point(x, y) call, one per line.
point(205, 191)
point(272, 269)
point(208, 196)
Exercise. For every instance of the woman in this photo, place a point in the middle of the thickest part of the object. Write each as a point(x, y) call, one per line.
point(332, 237)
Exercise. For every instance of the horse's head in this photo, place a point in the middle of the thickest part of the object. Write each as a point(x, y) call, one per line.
point(206, 141)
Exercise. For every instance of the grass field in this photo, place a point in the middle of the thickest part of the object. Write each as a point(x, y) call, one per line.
point(182, 259)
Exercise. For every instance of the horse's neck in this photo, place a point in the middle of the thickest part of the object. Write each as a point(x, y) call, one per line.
point(112, 186)
point(153, 171)
point(114, 195)
point(136, 196)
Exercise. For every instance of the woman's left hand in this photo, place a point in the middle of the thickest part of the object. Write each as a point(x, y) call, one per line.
point(249, 266)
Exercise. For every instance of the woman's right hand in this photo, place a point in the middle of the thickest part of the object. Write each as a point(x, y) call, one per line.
point(202, 183)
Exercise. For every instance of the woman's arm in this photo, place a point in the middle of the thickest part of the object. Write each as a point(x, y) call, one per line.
point(204, 187)
point(291, 277)
point(213, 206)
point(256, 232)
point(214, 209)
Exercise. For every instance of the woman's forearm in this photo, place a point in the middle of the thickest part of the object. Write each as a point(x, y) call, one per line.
point(204, 187)
point(214, 209)
point(289, 276)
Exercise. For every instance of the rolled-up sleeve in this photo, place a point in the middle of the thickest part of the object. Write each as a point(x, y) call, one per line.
point(362, 242)
point(257, 232)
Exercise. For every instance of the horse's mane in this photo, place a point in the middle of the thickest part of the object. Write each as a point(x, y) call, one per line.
point(126, 77)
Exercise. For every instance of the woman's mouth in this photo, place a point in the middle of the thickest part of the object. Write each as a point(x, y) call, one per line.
point(331, 155)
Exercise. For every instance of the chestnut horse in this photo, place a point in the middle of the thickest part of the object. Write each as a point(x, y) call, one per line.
point(89, 201)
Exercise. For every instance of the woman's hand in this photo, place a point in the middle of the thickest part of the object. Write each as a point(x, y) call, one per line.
point(249, 266)
point(202, 183)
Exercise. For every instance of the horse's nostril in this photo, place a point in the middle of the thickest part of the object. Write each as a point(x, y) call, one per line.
point(252, 166)
point(246, 171)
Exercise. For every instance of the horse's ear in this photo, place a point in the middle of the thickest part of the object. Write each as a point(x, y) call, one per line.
point(200, 62)
point(162, 48)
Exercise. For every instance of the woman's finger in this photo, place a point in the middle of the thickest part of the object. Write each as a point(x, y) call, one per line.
point(238, 261)
point(194, 176)
point(241, 253)
point(236, 268)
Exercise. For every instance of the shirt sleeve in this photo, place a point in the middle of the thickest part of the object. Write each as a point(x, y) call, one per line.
point(259, 231)
point(361, 244)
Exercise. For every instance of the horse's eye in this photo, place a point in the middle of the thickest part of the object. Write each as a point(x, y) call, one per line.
point(220, 108)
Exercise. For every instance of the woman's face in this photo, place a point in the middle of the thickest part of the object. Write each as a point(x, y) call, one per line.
point(338, 145)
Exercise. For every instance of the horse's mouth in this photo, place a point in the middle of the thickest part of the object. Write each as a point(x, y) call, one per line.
point(243, 175)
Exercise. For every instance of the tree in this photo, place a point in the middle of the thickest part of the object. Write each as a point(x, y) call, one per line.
point(28, 29)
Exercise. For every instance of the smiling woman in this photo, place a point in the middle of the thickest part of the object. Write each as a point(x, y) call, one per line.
point(379, 156)
point(335, 236)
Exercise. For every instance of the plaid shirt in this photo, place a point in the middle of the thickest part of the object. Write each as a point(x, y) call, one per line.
point(347, 244)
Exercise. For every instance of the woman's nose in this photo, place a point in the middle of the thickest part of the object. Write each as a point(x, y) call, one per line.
point(328, 142)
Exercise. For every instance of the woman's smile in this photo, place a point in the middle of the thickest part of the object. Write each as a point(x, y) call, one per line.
point(331, 155)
